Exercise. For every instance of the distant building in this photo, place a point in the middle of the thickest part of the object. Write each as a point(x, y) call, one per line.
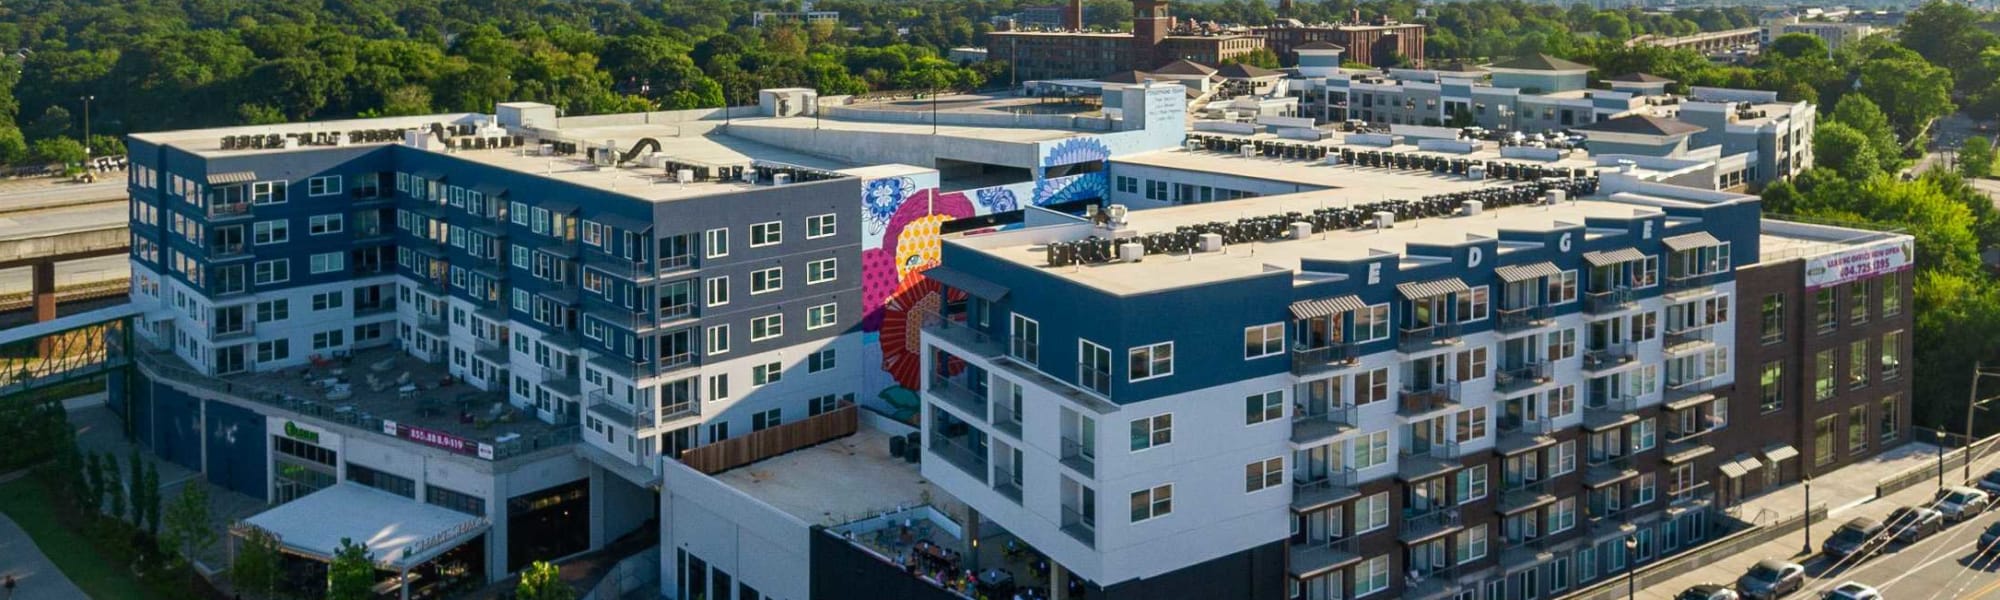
point(1378, 43)
point(805, 14)
point(1155, 40)
point(1836, 34)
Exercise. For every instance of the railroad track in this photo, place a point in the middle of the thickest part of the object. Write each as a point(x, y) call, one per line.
point(95, 290)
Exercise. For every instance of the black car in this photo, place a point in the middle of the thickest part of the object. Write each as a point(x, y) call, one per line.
point(1858, 536)
point(1912, 523)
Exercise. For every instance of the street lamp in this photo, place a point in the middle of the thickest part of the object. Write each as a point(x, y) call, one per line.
point(1973, 402)
point(86, 124)
point(1807, 479)
point(1631, 566)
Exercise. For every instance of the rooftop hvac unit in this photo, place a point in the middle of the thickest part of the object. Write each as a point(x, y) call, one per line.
point(1210, 242)
point(684, 175)
point(1131, 252)
point(1248, 150)
point(781, 178)
point(1385, 219)
point(1473, 207)
point(1556, 196)
point(1301, 230)
point(1117, 213)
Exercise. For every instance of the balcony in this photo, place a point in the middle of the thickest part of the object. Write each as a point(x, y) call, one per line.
point(1517, 320)
point(1006, 486)
point(244, 328)
point(1419, 339)
point(1607, 358)
point(1094, 378)
point(1691, 284)
point(1423, 525)
point(1312, 559)
point(633, 270)
point(1080, 458)
point(671, 415)
point(560, 381)
point(218, 213)
point(960, 394)
point(433, 324)
point(1310, 429)
point(1431, 460)
point(617, 412)
point(1526, 377)
point(1520, 554)
point(1337, 486)
point(1438, 584)
point(1609, 471)
point(1689, 496)
point(1688, 340)
point(1517, 435)
point(1607, 302)
point(1420, 401)
point(1005, 419)
point(1080, 526)
point(968, 458)
point(964, 335)
point(1689, 392)
point(386, 305)
point(222, 252)
point(433, 285)
point(1313, 361)
point(1521, 496)
point(371, 234)
point(1690, 446)
point(494, 351)
point(1605, 410)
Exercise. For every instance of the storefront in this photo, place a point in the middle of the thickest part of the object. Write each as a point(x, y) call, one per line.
point(304, 459)
point(548, 524)
point(420, 550)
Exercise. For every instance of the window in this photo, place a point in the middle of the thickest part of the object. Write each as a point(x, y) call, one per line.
point(1264, 474)
point(1888, 415)
point(1093, 369)
point(717, 242)
point(1823, 365)
point(267, 192)
point(1370, 450)
point(1151, 432)
point(718, 388)
point(1561, 344)
point(1562, 458)
point(767, 327)
point(1472, 364)
point(1259, 408)
point(767, 419)
point(1892, 294)
point(1774, 318)
point(819, 226)
point(766, 234)
point(1263, 340)
point(1371, 576)
point(1857, 364)
point(270, 232)
point(1371, 387)
point(1823, 310)
point(1823, 440)
point(822, 360)
point(1471, 544)
point(1773, 385)
point(329, 300)
point(1562, 516)
point(822, 271)
point(1857, 429)
point(1371, 513)
point(767, 280)
point(324, 224)
point(1471, 483)
point(1562, 288)
point(1025, 341)
point(766, 373)
point(1857, 301)
point(1644, 435)
point(323, 186)
point(819, 405)
point(1152, 503)
point(1645, 488)
point(274, 310)
point(329, 339)
point(1892, 354)
point(1152, 361)
point(1474, 304)
point(822, 316)
point(273, 271)
point(1371, 323)
point(1471, 424)
point(274, 350)
point(329, 262)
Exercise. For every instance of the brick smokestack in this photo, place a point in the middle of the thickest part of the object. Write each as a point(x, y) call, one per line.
point(1073, 16)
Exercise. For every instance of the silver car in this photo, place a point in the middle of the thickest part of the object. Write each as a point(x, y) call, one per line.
point(1771, 578)
point(1959, 503)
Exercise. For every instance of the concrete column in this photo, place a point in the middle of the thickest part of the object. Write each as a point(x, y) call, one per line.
point(1058, 584)
point(972, 539)
point(44, 289)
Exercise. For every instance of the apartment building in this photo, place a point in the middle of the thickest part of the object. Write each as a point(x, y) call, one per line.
point(1483, 390)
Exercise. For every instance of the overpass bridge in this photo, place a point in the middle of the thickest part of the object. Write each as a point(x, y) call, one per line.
point(1713, 41)
point(80, 227)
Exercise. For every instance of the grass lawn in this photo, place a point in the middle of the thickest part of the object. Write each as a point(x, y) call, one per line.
point(28, 504)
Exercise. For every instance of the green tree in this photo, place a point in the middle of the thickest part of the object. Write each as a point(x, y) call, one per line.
point(1261, 57)
point(93, 484)
point(1910, 91)
point(189, 530)
point(59, 150)
point(258, 564)
point(153, 499)
point(1976, 159)
point(1860, 113)
point(351, 574)
point(1845, 150)
point(135, 480)
point(114, 480)
point(543, 581)
point(13, 146)
point(1799, 45)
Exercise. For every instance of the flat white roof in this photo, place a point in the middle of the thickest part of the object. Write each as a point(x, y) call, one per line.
point(389, 524)
point(840, 481)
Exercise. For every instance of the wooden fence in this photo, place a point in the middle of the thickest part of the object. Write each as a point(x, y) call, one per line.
point(759, 445)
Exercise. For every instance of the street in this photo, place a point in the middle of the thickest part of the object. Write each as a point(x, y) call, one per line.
point(1941, 566)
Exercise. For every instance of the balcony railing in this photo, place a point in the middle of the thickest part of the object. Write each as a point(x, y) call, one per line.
point(1612, 401)
point(221, 212)
point(1687, 339)
point(1691, 283)
point(1688, 389)
point(615, 409)
point(385, 305)
point(959, 394)
point(1419, 338)
point(228, 251)
point(1337, 485)
point(1080, 526)
point(493, 350)
point(1310, 361)
point(1076, 456)
point(1096, 378)
point(973, 461)
point(1522, 319)
point(1688, 494)
point(1519, 496)
point(1309, 559)
point(1609, 357)
point(629, 269)
point(1608, 301)
point(1005, 419)
point(244, 328)
point(1312, 427)
point(561, 381)
point(363, 234)
point(1418, 525)
point(1417, 401)
point(1024, 349)
point(1526, 376)
point(964, 335)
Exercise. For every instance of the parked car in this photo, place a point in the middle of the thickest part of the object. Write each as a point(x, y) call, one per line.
point(1771, 578)
point(1707, 591)
point(1912, 523)
point(1990, 483)
point(1990, 540)
point(1853, 591)
point(1856, 537)
point(1959, 503)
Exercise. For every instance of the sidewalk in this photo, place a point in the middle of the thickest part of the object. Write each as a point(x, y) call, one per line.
point(1848, 492)
point(36, 576)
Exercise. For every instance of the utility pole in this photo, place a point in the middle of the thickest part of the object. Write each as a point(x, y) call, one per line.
point(86, 126)
point(1971, 404)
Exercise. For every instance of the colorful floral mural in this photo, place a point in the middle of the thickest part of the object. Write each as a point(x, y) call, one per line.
point(1057, 190)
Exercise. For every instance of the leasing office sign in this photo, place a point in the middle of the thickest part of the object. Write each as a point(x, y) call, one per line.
point(437, 439)
point(1861, 262)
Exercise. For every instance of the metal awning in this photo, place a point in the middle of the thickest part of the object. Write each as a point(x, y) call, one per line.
point(1321, 307)
point(978, 288)
point(1732, 470)
point(232, 177)
point(1777, 453)
point(1740, 466)
point(1599, 259)
point(1513, 273)
point(622, 223)
point(1426, 289)
point(490, 190)
point(1699, 239)
point(555, 206)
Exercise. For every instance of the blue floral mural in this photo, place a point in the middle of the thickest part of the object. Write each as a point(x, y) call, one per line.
point(995, 200)
point(1074, 187)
